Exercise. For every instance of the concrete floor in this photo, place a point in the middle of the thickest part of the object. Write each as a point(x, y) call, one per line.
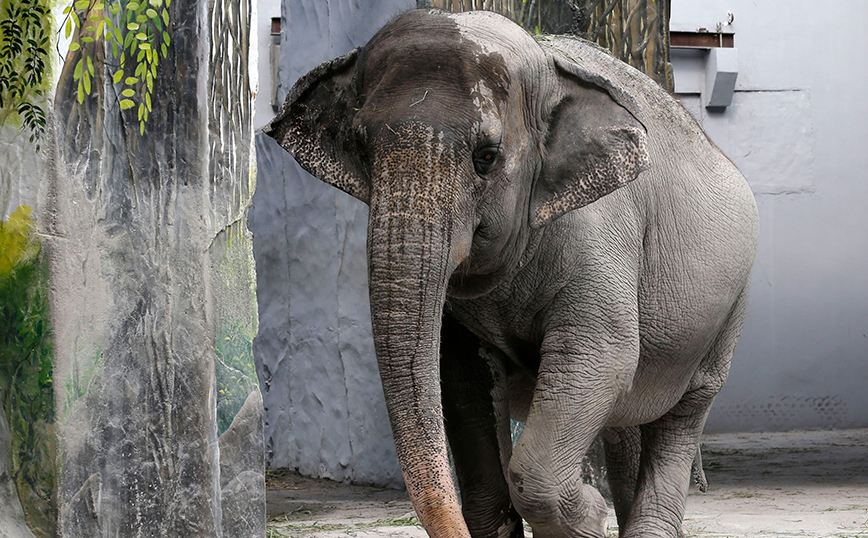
point(761, 485)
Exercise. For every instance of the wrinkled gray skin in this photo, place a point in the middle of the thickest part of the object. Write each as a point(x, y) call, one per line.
point(480, 152)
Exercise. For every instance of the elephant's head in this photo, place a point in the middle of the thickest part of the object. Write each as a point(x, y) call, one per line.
point(463, 136)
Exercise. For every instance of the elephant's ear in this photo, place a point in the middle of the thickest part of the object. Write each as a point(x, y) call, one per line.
point(595, 144)
point(315, 125)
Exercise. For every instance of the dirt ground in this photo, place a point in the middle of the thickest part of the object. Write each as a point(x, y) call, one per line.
point(761, 485)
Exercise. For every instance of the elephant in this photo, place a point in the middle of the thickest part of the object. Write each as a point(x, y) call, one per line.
point(552, 238)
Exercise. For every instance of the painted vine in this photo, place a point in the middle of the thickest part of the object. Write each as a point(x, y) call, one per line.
point(24, 60)
point(138, 34)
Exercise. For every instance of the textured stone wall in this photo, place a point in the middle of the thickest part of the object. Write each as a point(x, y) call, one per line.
point(155, 419)
point(325, 413)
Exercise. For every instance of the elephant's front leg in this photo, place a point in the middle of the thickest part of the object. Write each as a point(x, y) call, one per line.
point(476, 416)
point(576, 391)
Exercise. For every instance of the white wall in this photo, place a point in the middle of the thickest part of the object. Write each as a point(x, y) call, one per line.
point(797, 129)
point(264, 110)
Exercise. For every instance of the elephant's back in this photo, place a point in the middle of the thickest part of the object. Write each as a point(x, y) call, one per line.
point(691, 193)
point(698, 217)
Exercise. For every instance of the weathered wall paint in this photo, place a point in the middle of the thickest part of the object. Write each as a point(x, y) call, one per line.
point(796, 130)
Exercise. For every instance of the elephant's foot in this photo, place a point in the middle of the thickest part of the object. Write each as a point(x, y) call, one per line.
point(484, 522)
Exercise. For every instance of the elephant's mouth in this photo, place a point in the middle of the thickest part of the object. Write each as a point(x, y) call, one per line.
point(468, 279)
point(467, 283)
point(487, 265)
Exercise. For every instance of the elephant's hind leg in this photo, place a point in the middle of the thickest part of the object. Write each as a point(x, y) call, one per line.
point(671, 443)
point(476, 416)
point(623, 448)
point(668, 449)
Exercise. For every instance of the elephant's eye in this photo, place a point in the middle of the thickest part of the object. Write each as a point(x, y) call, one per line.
point(361, 149)
point(484, 159)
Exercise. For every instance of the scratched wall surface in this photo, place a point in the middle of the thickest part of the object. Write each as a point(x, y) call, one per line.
point(325, 413)
point(159, 416)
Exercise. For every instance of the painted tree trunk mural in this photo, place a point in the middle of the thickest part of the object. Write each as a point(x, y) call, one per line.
point(636, 31)
point(130, 401)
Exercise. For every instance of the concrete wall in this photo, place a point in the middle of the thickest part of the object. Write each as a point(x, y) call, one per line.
point(266, 10)
point(796, 129)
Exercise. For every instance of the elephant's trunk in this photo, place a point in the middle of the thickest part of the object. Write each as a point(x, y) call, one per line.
point(409, 266)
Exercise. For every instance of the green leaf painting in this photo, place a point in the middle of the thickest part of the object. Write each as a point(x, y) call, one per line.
point(25, 30)
point(26, 373)
point(131, 32)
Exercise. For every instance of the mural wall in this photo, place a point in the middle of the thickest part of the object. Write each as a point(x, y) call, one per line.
point(129, 396)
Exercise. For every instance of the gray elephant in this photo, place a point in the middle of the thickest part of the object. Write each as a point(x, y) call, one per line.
point(552, 238)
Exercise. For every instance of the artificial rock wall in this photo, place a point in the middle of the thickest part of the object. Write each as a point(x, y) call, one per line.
point(324, 409)
point(153, 425)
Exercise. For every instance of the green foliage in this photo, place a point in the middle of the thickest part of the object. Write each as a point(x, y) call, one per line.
point(138, 34)
point(26, 373)
point(24, 45)
point(236, 373)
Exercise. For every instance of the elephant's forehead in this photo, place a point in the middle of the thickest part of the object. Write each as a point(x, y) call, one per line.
point(492, 34)
point(463, 46)
point(451, 70)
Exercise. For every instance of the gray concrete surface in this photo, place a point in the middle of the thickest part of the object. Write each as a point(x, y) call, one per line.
point(806, 484)
point(796, 129)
